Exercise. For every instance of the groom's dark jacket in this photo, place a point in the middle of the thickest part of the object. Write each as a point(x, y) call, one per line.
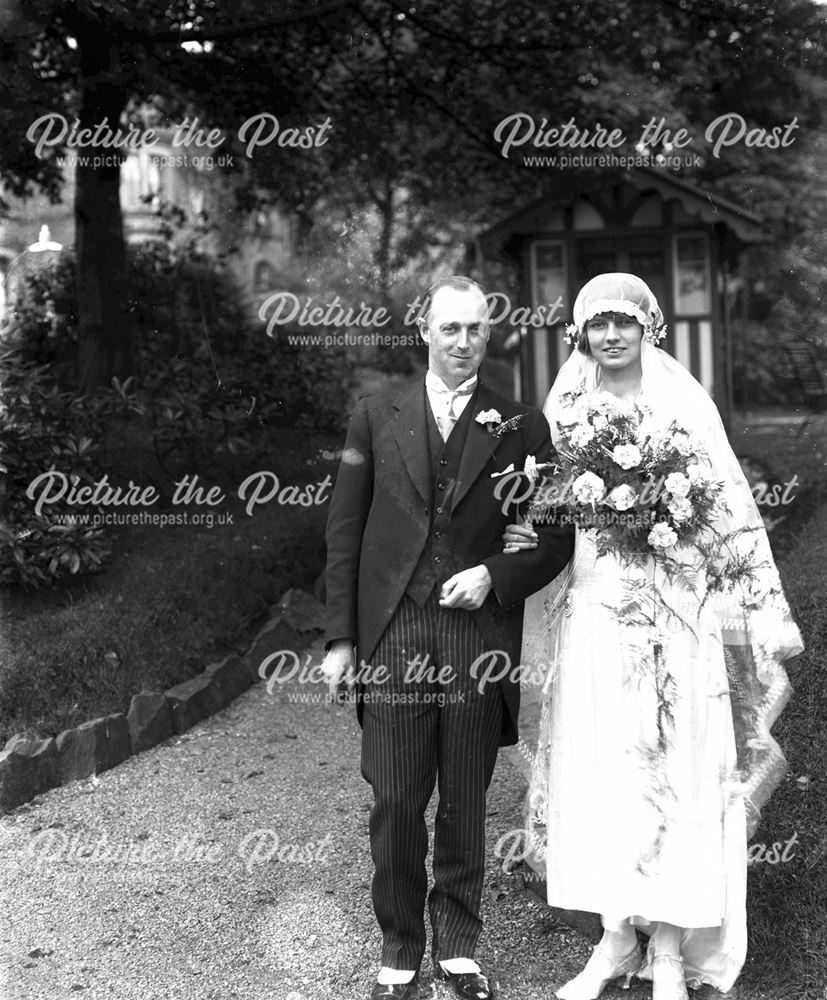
point(381, 521)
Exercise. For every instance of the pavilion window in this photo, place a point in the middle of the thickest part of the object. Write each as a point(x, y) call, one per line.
point(549, 282)
point(692, 275)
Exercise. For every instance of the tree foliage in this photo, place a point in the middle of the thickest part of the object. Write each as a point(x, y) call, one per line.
point(413, 92)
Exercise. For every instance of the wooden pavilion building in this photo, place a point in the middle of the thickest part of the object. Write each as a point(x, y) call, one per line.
point(687, 243)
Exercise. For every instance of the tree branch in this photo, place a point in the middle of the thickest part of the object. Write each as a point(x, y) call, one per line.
point(478, 140)
point(250, 28)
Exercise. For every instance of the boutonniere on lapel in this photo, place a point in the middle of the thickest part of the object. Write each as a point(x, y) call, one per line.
point(495, 424)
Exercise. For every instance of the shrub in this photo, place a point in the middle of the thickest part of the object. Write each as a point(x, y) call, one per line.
point(44, 428)
point(209, 388)
point(760, 371)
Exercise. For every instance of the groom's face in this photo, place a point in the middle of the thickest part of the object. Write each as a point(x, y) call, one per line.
point(456, 333)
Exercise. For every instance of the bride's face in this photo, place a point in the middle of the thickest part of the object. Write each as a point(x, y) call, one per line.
point(614, 340)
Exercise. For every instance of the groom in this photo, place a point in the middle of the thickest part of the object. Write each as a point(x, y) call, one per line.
point(418, 585)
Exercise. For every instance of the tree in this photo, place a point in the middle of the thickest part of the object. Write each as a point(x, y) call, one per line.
point(413, 92)
point(94, 64)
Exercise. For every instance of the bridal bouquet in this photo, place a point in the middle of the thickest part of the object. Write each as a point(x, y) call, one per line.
point(643, 489)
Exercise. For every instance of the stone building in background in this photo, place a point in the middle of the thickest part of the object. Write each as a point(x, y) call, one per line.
point(259, 245)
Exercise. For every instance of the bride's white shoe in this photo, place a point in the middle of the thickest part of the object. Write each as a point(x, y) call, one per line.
point(600, 970)
point(668, 980)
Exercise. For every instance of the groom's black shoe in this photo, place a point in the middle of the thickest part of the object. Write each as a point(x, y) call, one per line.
point(396, 991)
point(467, 985)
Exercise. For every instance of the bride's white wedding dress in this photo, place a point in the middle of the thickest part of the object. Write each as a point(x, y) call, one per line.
point(634, 829)
point(652, 753)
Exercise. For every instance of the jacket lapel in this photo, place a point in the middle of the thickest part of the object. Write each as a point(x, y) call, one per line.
point(411, 433)
point(479, 446)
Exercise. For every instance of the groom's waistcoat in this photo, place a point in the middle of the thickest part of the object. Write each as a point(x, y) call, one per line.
point(437, 563)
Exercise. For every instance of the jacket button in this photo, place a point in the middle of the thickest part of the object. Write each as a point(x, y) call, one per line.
point(437, 559)
point(439, 510)
point(440, 486)
point(437, 534)
point(443, 461)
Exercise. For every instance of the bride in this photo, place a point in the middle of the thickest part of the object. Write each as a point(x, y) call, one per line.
point(644, 787)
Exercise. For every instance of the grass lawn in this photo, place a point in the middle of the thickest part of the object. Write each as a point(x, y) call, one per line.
point(170, 600)
point(774, 440)
point(787, 902)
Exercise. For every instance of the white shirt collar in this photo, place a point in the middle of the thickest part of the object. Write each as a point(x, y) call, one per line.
point(435, 384)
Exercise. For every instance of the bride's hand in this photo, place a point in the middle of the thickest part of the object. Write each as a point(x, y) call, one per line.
point(519, 536)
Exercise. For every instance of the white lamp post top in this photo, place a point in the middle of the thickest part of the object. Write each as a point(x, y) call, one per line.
point(44, 242)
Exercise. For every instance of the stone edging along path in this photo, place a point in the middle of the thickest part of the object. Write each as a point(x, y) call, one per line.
point(29, 766)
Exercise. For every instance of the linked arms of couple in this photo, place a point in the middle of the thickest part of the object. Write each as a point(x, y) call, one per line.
point(467, 589)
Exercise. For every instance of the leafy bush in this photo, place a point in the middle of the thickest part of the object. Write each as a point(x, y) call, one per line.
point(44, 428)
point(212, 382)
point(761, 374)
point(209, 387)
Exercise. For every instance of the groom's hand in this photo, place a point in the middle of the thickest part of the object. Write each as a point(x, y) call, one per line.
point(466, 590)
point(339, 665)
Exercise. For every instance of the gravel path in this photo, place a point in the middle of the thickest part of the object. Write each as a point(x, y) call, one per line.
point(233, 862)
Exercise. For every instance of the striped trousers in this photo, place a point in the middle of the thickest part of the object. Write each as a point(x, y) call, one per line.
point(428, 723)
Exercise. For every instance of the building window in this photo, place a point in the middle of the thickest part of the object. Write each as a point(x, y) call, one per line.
point(692, 275)
point(649, 212)
point(549, 283)
point(586, 216)
point(264, 277)
point(263, 224)
point(197, 201)
point(551, 220)
point(649, 265)
point(548, 274)
point(140, 179)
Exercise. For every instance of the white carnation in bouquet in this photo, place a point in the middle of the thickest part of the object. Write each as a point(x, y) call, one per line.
point(622, 497)
point(677, 484)
point(627, 456)
point(588, 488)
point(581, 435)
point(662, 536)
point(680, 508)
point(697, 474)
point(682, 444)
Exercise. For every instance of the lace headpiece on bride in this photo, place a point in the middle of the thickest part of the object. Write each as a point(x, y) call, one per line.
point(616, 293)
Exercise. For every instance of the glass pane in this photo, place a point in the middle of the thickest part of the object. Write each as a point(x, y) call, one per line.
point(549, 275)
point(693, 294)
point(692, 247)
point(648, 264)
point(549, 257)
point(586, 216)
point(649, 212)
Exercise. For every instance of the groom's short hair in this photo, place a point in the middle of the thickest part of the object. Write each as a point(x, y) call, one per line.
point(458, 281)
